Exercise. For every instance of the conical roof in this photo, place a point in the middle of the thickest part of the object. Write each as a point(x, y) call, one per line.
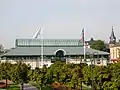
point(112, 37)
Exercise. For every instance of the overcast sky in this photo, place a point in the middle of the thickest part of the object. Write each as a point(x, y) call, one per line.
point(59, 18)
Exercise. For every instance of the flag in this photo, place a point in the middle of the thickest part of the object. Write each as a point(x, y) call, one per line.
point(82, 36)
point(37, 34)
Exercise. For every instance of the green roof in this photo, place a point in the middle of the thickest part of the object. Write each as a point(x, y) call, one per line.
point(30, 51)
point(30, 47)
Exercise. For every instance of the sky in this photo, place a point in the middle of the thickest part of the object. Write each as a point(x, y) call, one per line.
point(60, 19)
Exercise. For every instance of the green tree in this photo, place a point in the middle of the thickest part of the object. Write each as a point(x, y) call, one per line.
point(1, 49)
point(69, 75)
point(98, 45)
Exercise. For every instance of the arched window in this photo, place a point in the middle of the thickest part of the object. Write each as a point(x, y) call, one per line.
point(60, 54)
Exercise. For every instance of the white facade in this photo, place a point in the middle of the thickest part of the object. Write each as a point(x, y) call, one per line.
point(114, 52)
point(36, 63)
point(88, 61)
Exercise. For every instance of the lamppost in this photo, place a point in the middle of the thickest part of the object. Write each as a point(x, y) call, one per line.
point(97, 57)
point(21, 82)
point(88, 54)
point(5, 77)
point(95, 54)
point(91, 56)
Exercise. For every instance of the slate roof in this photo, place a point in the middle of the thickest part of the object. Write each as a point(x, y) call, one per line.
point(112, 38)
point(30, 51)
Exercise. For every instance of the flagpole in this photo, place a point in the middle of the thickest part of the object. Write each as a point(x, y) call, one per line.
point(41, 47)
point(84, 45)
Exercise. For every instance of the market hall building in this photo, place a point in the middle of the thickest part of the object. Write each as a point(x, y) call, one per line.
point(66, 50)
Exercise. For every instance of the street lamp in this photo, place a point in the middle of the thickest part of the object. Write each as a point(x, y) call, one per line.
point(95, 54)
point(21, 82)
point(90, 57)
point(80, 59)
point(88, 54)
point(5, 77)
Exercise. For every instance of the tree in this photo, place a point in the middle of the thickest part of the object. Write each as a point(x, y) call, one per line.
point(1, 49)
point(98, 45)
point(68, 75)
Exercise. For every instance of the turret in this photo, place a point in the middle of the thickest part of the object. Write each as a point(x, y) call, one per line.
point(112, 41)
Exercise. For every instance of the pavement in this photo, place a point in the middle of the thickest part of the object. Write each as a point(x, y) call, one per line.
point(29, 87)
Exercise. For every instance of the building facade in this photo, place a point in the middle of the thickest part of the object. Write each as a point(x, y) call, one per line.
point(114, 48)
point(115, 52)
point(30, 52)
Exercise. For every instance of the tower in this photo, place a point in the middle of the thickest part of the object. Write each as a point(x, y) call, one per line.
point(112, 41)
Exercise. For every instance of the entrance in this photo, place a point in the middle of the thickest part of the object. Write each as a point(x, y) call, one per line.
point(60, 54)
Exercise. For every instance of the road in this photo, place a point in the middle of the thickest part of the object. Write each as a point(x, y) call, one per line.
point(29, 87)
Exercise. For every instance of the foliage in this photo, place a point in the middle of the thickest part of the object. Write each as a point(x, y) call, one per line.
point(14, 72)
point(98, 45)
point(13, 87)
point(1, 49)
point(68, 75)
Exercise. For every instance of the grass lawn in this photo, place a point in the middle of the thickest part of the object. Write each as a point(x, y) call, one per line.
point(12, 87)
